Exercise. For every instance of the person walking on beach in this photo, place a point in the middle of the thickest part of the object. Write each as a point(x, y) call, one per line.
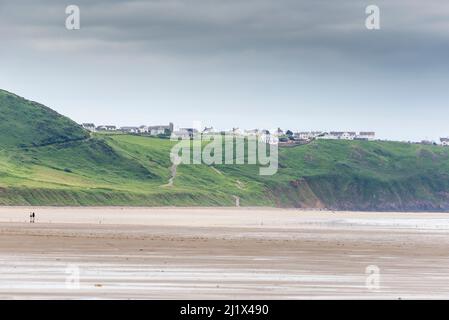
point(33, 216)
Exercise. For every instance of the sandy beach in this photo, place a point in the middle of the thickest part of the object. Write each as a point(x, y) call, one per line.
point(213, 253)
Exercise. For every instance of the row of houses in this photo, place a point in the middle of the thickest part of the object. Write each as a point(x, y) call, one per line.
point(349, 135)
point(181, 132)
point(309, 135)
point(275, 136)
point(151, 130)
point(443, 142)
point(261, 135)
point(280, 135)
point(185, 133)
point(169, 129)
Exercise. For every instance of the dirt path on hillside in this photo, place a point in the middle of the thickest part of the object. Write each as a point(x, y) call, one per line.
point(173, 170)
point(237, 201)
point(216, 170)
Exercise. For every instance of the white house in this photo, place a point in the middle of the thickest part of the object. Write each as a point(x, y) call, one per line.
point(366, 135)
point(309, 135)
point(301, 135)
point(143, 129)
point(341, 135)
point(327, 136)
point(252, 132)
point(315, 134)
point(157, 130)
point(184, 133)
point(444, 141)
point(236, 131)
point(348, 136)
point(89, 126)
point(106, 128)
point(130, 129)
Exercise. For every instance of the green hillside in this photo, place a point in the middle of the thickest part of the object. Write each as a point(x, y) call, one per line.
point(27, 123)
point(47, 159)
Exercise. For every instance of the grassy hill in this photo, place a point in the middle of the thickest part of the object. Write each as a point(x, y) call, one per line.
point(47, 159)
point(27, 123)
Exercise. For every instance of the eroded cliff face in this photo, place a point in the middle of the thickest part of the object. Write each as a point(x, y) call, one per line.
point(361, 194)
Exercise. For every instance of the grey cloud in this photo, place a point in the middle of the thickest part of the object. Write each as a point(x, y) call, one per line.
point(290, 53)
point(205, 28)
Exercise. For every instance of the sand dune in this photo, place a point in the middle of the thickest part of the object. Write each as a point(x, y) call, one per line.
point(211, 253)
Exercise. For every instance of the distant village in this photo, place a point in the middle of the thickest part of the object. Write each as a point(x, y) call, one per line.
point(278, 136)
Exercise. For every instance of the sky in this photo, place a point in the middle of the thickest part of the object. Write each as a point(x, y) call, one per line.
point(299, 65)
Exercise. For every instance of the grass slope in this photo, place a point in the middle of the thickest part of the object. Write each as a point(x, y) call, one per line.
point(49, 160)
point(357, 175)
point(27, 123)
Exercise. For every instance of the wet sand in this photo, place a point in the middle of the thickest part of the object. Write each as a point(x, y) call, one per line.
point(210, 253)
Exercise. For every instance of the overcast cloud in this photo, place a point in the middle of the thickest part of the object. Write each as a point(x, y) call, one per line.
point(256, 63)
